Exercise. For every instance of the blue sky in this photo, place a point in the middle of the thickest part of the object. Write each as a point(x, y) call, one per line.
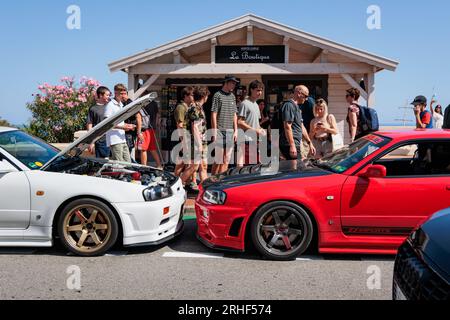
point(37, 47)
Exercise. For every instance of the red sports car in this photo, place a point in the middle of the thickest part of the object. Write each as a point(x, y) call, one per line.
point(363, 199)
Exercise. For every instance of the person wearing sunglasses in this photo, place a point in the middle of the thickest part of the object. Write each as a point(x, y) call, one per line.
point(438, 117)
point(353, 116)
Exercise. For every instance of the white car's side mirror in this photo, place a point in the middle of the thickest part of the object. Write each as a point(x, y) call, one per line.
point(6, 167)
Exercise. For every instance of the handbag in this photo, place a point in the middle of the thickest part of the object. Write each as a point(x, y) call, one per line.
point(336, 139)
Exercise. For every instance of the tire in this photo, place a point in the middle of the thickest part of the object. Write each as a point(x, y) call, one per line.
point(281, 231)
point(84, 234)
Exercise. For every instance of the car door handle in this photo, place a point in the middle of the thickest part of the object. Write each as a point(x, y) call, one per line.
point(448, 188)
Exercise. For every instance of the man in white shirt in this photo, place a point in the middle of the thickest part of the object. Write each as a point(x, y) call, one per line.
point(115, 138)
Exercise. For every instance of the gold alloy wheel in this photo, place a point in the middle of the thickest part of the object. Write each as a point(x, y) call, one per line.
point(87, 228)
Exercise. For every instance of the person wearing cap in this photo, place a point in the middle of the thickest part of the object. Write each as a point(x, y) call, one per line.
point(224, 123)
point(423, 117)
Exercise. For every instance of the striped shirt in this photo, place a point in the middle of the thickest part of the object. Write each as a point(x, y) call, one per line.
point(224, 104)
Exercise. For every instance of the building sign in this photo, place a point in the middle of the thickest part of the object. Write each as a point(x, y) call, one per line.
point(250, 54)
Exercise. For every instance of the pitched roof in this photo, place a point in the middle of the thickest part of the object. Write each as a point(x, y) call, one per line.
point(259, 22)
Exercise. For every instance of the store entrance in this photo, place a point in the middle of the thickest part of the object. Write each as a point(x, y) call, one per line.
point(171, 97)
point(281, 88)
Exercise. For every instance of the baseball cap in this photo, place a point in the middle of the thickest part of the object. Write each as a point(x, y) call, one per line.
point(230, 77)
point(419, 100)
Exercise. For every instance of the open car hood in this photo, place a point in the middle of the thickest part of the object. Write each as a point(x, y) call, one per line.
point(82, 144)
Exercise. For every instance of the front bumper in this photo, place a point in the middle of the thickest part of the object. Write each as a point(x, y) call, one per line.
point(221, 226)
point(153, 223)
point(415, 279)
point(179, 230)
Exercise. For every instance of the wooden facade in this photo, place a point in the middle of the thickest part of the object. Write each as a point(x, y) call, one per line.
point(306, 55)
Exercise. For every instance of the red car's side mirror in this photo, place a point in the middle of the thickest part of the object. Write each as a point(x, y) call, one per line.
point(374, 171)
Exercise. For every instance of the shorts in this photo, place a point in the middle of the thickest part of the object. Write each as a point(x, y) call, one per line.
point(149, 143)
point(251, 153)
point(305, 150)
point(199, 157)
point(225, 140)
point(285, 152)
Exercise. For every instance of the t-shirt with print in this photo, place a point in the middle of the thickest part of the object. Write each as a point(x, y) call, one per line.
point(114, 136)
point(354, 108)
point(224, 104)
point(252, 115)
point(290, 112)
point(197, 117)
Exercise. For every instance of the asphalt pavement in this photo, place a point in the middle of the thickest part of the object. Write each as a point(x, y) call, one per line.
point(184, 269)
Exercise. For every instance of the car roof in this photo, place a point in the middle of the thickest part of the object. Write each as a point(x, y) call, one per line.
point(6, 129)
point(404, 134)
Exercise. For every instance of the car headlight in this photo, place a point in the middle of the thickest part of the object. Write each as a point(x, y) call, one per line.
point(157, 193)
point(215, 197)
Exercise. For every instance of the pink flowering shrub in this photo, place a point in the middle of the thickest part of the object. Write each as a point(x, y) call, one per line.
point(60, 111)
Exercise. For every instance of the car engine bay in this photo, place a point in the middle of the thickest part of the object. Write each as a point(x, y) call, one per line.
point(104, 169)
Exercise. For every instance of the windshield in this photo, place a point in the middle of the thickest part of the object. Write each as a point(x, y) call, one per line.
point(31, 151)
point(345, 158)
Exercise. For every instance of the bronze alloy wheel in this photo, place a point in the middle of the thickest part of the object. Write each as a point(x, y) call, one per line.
point(88, 227)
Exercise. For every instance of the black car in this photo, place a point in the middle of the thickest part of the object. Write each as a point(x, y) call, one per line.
point(422, 267)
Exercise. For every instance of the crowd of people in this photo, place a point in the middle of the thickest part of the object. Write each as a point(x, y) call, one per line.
point(136, 133)
point(305, 127)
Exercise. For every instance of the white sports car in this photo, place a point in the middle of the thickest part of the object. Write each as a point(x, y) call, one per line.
point(87, 203)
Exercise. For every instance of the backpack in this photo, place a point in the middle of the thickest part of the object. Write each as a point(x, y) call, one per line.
point(276, 122)
point(145, 119)
point(447, 118)
point(369, 120)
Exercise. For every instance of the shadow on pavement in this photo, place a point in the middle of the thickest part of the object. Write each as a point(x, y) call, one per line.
point(187, 242)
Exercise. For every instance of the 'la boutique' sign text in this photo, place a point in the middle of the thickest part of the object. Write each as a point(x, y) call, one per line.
point(250, 54)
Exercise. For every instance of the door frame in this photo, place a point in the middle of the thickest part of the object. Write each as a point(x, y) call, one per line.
point(399, 145)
